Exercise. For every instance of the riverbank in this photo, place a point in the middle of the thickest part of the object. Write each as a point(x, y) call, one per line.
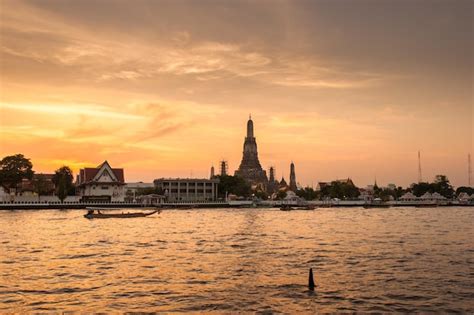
point(112, 205)
point(222, 204)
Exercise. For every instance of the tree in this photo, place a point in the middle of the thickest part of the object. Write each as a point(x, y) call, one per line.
point(400, 192)
point(420, 189)
point(307, 193)
point(281, 195)
point(440, 185)
point(63, 178)
point(40, 185)
point(443, 187)
point(13, 169)
point(386, 193)
point(465, 189)
point(340, 190)
point(261, 195)
point(233, 185)
point(62, 189)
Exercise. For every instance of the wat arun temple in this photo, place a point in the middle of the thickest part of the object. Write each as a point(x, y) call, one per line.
point(251, 170)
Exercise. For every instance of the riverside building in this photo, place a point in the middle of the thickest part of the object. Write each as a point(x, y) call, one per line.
point(188, 189)
point(101, 184)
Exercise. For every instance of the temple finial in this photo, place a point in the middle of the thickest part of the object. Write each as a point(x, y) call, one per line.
point(250, 127)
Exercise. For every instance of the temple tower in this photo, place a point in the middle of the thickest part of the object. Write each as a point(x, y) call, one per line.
point(292, 177)
point(272, 174)
point(250, 167)
point(272, 182)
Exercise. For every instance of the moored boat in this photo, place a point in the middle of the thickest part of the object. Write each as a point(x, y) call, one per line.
point(325, 205)
point(426, 205)
point(286, 208)
point(370, 206)
point(307, 207)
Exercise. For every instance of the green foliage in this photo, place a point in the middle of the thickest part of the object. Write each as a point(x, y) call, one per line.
point(63, 178)
point(340, 190)
point(233, 185)
point(13, 169)
point(465, 189)
point(41, 185)
point(385, 193)
point(62, 189)
point(400, 192)
point(307, 193)
point(261, 195)
point(440, 185)
point(281, 195)
point(443, 187)
point(419, 189)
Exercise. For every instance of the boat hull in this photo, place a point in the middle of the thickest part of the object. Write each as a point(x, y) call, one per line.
point(118, 215)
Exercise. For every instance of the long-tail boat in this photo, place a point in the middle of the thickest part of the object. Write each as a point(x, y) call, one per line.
point(286, 208)
point(307, 207)
point(92, 214)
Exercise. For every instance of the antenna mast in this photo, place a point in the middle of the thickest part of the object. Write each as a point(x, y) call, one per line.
point(420, 178)
point(469, 170)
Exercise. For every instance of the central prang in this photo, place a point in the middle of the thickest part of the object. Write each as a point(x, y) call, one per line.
point(250, 167)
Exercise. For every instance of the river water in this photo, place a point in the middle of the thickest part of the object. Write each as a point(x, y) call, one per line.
point(229, 260)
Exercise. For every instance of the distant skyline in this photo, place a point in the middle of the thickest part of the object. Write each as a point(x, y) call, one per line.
point(164, 88)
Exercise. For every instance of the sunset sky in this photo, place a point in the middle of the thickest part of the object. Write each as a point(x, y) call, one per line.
point(343, 88)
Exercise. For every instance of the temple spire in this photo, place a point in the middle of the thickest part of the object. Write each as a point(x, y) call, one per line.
point(250, 127)
point(250, 168)
point(293, 186)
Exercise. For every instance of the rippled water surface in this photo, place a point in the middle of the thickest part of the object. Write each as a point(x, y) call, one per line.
point(399, 259)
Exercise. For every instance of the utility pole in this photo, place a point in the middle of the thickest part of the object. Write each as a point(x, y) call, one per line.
point(469, 170)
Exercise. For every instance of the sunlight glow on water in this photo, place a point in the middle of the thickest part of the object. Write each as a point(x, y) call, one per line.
point(398, 259)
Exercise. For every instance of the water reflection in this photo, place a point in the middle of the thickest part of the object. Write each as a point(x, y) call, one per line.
point(239, 260)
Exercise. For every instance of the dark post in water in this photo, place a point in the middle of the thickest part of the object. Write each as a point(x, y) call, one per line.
point(311, 280)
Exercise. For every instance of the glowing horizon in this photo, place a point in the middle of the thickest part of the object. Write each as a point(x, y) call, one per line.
point(164, 93)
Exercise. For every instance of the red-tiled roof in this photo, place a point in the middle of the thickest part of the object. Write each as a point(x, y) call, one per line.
point(87, 174)
point(119, 174)
point(30, 184)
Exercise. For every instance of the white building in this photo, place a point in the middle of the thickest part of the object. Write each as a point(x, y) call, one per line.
point(102, 183)
point(367, 194)
point(438, 197)
point(132, 188)
point(426, 196)
point(188, 189)
point(408, 197)
point(292, 197)
point(435, 197)
point(464, 197)
point(4, 195)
